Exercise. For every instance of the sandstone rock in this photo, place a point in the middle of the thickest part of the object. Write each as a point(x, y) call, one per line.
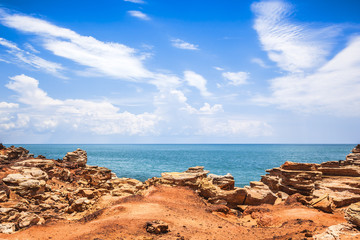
point(324, 203)
point(88, 193)
point(11, 154)
point(258, 194)
point(3, 196)
point(7, 227)
point(299, 166)
point(187, 178)
point(77, 157)
point(335, 232)
point(43, 164)
point(79, 205)
point(157, 227)
point(225, 182)
point(352, 214)
point(27, 219)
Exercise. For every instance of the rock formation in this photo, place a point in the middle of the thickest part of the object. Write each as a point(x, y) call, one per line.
point(34, 190)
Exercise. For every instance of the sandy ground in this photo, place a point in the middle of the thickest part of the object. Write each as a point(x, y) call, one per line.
point(188, 217)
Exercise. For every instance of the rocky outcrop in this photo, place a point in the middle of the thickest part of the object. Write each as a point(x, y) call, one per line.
point(33, 190)
point(76, 158)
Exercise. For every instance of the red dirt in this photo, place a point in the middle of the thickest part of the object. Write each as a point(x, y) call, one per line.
point(188, 217)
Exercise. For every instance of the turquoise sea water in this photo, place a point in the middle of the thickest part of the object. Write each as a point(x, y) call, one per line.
point(246, 162)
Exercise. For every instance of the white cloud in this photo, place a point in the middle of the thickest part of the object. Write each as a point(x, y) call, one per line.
point(30, 48)
point(196, 80)
point(135, 1)
point(236, 78)
point(294, 47)
point(226, 127)
point(259, 62)
point(42, 113)
point(29, 92)
point(218, 68)
point(6, 105)
point(105, 58)
point(334, 88)
point(207, 109)
point(31, 59)
point(178, 43)
point(139, 14)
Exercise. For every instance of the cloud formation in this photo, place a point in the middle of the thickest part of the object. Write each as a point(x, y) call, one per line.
point(178, 43)
point(105, 58)
point(293, 46)
point(196, 80)
point(236, 78)
point(139, 14)
point(31, 59)
point(312, 84)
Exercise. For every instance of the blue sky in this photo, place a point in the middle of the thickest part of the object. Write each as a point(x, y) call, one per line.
point(141, 71)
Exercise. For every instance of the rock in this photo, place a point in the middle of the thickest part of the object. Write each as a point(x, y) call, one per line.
point(335, 232)
point(7, 227)
point(259, 194)
point(11, 154)
point(43, 164)
point(225, 182)
point(299, 166)
point(157, 227)
point(352, 214)
point(218, 208)
point(88, 193)
point(187, 178)
point(79, 205)
point(27, 219)
point(3, 196)
point(324, 203)
point(77, 157)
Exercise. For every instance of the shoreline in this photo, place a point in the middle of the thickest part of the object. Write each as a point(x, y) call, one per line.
point(35, 191)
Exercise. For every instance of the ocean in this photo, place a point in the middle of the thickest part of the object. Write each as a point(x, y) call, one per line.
point(246, 162)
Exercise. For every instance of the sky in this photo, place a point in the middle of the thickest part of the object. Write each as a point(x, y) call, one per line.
point(156, 71)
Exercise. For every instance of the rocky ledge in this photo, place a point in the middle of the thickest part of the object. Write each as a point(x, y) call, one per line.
point(34, 191)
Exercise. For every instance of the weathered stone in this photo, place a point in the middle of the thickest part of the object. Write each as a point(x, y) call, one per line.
point(258, 194)
point(157, 227)
point(225, 182)
point(324, 203)
point(44, 164)
point(352, 214)
point(27, 219)
point(78, 157)
point(3, 196)
point(299, 166)
point(7, 227)
point(88, 193)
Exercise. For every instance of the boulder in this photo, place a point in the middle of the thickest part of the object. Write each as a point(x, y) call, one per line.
point(77, 157)
point(225, 182)
point(157, 227)
point(352, 214)
point(258, 193)
point(187, 178)
point(324, 203)
point(7, 227)
point(43, 164)
point(27, 219)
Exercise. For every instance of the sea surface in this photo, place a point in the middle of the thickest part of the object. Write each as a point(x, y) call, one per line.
point(246, 162)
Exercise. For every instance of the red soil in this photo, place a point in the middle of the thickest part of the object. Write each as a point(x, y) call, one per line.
point(188, 217)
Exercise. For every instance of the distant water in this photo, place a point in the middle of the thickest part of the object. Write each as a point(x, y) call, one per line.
point(246, 162)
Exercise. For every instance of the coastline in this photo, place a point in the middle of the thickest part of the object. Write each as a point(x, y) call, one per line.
point(36, 191)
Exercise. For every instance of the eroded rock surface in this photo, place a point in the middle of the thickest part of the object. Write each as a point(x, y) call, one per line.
point(34, 190)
